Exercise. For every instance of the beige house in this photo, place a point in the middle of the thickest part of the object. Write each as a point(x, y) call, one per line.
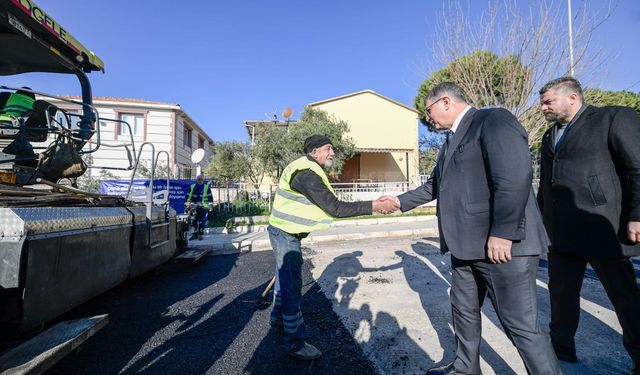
point(385, 133)
point(166, 125)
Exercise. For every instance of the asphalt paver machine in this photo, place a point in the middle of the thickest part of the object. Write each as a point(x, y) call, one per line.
point(60, 246)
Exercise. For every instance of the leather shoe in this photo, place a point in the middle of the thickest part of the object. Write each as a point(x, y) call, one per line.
point(447, 369)
point(566, 356)
point(307, 352)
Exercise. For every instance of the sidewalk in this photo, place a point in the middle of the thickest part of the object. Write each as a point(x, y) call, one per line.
point(342, 230)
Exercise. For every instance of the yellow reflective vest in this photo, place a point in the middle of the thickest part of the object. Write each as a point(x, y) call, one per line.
point(17, 105)
point(292, 212)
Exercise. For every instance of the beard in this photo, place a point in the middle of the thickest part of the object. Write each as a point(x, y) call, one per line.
point(328, 163)
point(557, 116)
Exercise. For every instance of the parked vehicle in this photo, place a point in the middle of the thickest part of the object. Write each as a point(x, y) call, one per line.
point(60, 246)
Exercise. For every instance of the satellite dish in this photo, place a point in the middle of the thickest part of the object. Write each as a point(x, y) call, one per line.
point(287, 113)
point(197, 156)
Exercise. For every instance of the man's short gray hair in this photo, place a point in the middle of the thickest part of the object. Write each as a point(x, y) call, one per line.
point(563, 85)
point(449, 89)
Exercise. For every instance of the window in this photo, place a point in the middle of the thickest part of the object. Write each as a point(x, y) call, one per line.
point(135, 121)
point(186, 137)
point(200, 142)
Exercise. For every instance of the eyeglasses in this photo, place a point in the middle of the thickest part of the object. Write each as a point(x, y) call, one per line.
point(427, 111)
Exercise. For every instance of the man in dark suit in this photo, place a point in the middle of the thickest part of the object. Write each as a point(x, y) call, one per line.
point(590, 198)
point(488, 220)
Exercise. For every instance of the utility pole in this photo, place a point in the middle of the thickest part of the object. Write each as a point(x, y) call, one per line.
point(569, 14)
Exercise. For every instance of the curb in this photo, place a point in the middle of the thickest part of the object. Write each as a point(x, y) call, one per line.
point(251, 228)
point(245, 246)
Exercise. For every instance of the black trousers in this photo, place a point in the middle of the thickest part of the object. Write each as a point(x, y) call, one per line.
point(512, 289)
point(566, 272)
point(201, 216)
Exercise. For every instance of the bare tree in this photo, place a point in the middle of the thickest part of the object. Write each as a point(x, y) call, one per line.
point(503, 56)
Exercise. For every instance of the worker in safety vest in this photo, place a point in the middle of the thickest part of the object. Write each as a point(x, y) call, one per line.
point(22, 109)
point(200, 194)
point(18, 104)
point(304, 202)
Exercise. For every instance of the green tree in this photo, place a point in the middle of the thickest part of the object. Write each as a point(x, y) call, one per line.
point(232, 161)
point(270, 149)
point(603, 97)
point(488, 80)
point(276, 147)
point(502, 56)
point(430, 145)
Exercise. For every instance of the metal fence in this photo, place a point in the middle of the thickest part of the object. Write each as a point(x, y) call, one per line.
point(362, 191)
point(239, 200)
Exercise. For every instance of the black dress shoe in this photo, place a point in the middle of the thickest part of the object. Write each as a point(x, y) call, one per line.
point(442, 370)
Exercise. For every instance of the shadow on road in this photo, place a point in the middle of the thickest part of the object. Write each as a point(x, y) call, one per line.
point(152, 320)
point(341, 354)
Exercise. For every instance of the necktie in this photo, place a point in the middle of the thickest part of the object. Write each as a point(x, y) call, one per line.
point(445, 146)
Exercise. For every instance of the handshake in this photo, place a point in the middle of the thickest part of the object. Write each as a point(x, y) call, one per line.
point(386, 204)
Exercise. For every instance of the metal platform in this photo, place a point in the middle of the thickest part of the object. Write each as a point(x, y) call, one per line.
point(45, 350)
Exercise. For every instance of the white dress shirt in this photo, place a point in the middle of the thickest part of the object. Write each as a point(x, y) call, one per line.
point(459, 118)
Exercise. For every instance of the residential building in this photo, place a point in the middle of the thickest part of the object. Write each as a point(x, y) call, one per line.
point(165, 125)
point(385, 133)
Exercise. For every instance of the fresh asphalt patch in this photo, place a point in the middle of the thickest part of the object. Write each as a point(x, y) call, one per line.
point(201, 319)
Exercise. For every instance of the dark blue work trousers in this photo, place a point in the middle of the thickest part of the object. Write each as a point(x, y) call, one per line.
point(288, 287)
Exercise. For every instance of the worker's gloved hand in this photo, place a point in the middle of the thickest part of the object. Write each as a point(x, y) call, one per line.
point(210, 208)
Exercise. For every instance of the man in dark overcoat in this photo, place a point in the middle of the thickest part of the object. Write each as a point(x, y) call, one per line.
point(589, 195)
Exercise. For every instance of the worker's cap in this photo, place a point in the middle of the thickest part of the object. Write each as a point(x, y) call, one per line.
point(315, 141)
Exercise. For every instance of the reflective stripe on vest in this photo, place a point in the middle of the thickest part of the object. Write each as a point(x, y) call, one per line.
point(297, 219)
point(293, 212)
point(205, 194)
point(293, 197)
point(16, 106)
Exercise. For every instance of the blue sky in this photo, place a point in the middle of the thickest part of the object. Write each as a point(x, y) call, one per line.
point(229, 61)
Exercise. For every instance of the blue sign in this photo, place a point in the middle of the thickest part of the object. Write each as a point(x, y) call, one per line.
point(178, 190)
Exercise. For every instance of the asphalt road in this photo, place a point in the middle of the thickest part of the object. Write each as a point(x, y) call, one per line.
point(201, 319)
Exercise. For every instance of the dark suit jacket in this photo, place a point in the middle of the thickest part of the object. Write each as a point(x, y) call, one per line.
point(483, 187)
point(590, 187)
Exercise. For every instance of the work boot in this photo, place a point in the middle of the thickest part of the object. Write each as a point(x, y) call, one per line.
point(308, 352)
point(200, 236)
